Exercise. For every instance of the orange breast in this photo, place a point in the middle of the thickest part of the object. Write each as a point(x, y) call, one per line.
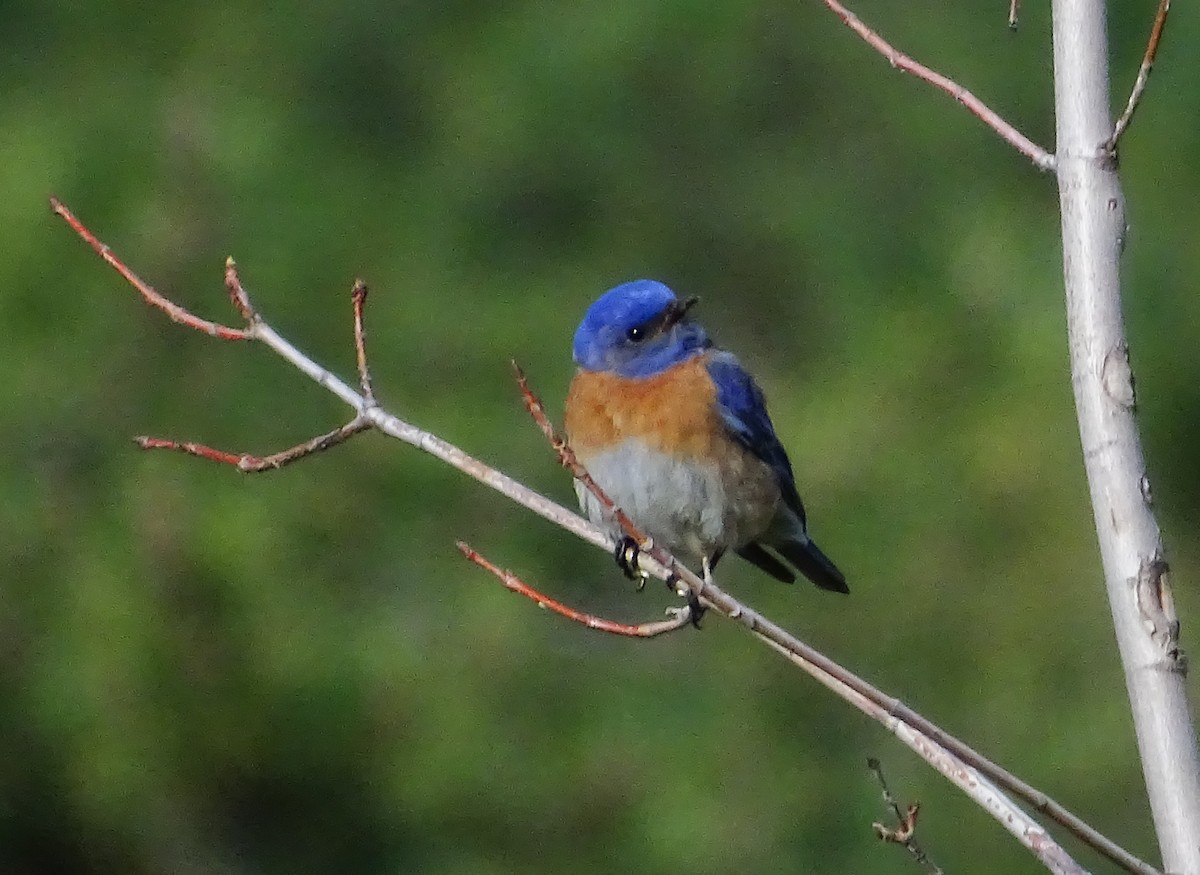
point(673, 412)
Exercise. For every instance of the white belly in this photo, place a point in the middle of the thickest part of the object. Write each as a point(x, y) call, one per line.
point(692, 510)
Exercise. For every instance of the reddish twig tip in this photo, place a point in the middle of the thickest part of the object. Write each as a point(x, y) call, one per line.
point(359, 296)
point(250, 464)
point(1041, 158)
point(678, 619)
point(148, 292)
point(237, 293)
point(1143, 76)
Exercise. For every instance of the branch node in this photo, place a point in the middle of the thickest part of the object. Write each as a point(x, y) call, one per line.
point(1156, 604)
point(1116, 375)
point(1146, 490)
point(903, 833)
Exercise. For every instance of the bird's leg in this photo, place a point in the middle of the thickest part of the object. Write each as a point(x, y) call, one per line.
point(697, 610)
point(626, 555)
point(681, 589)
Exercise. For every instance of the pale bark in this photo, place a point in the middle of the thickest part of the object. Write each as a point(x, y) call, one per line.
point(1093, 229)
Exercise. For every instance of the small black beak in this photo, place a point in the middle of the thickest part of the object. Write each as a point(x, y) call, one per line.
point(678, 310)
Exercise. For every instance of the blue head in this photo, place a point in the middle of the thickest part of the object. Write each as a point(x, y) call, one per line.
point(638, 329)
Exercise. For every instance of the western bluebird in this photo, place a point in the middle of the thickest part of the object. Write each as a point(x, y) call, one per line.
point(677, 433)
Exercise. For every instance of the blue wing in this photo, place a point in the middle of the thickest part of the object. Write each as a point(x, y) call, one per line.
point(744, 411)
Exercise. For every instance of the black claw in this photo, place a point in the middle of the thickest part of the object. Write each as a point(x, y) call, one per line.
point(626, 555)
point(698, 610)
point(695, 609)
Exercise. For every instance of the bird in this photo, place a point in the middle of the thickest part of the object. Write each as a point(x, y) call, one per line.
point(676, 432)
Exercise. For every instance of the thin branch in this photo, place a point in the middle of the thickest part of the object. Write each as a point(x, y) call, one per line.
point(679, 617)
point(955, 760)
point(246, 462)
point(1041, 158)
point(174, 312)
point(237, 294)
point(1143, 76)
point(386, 423)
point(962, 773)
point(906, 823)
point(257, 464)
point(359, 293)
point(567, 458)
point(966, 776)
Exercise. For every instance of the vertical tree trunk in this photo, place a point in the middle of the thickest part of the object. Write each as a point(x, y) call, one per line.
point(1093, 229)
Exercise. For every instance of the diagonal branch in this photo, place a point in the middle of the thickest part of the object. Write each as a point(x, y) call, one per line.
point(980, 779)
point(842, 681)
point(246, 462)
point(1143, 76)
point(1041, 158)
point(174, 312)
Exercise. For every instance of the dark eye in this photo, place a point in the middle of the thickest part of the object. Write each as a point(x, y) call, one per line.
point(637, 335)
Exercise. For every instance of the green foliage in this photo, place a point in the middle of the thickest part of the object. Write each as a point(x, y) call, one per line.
point(296, 672)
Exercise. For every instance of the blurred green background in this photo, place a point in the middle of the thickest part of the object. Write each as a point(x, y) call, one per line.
point(296, 672)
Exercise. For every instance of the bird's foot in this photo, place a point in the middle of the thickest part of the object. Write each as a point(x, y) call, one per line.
point(626, 554)
point(695, 610)
point(685, 614)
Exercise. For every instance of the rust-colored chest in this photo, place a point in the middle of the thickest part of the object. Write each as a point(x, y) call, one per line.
point(673, 412)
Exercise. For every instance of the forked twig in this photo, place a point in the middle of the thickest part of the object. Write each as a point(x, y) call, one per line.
point(1041, 158)
point(257, 464)
point(1143, 76)
point(964, 767)
point(245, 462)
point(174, 312)
point(904, 833)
